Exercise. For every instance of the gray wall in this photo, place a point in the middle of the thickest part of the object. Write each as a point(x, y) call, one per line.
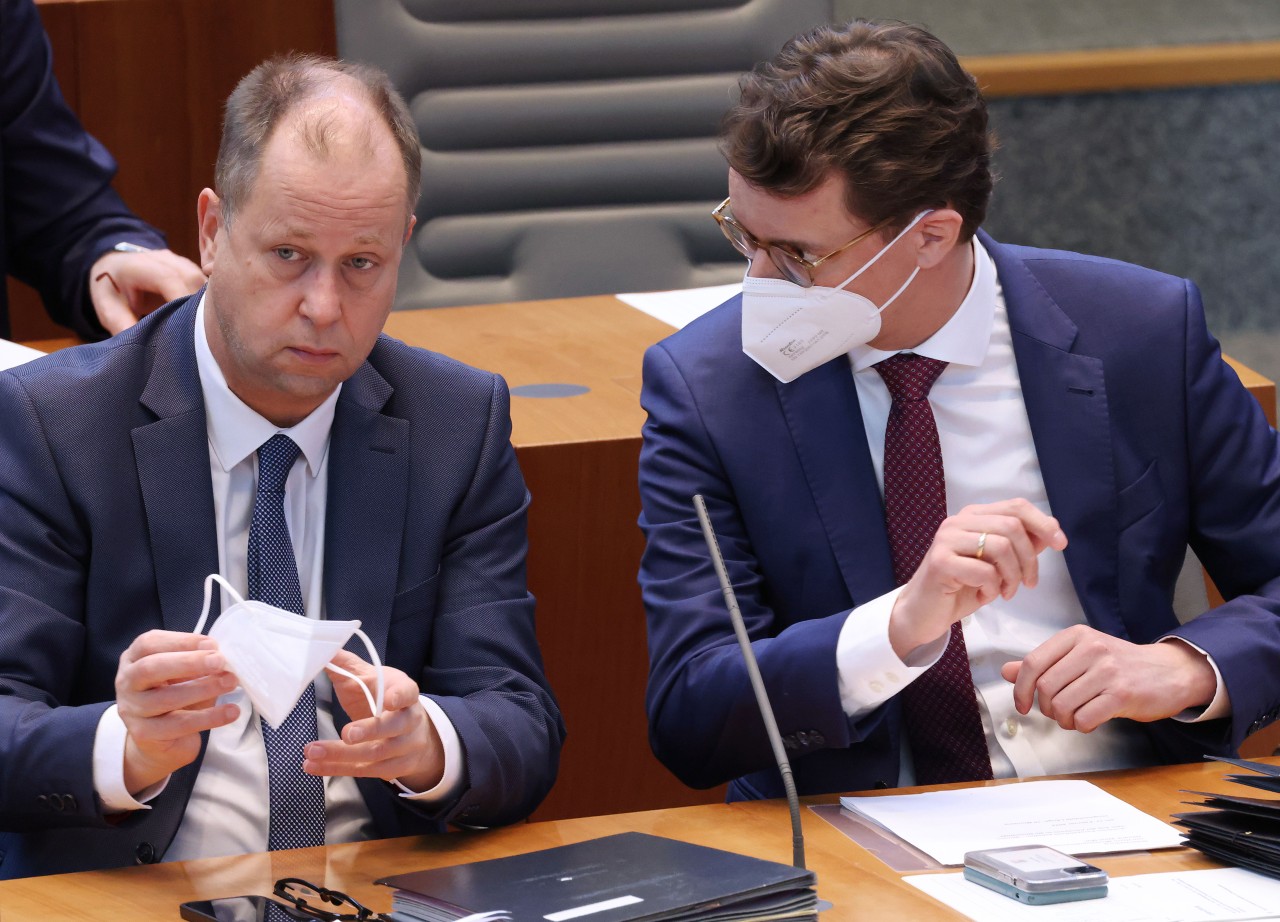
point(1180, 180)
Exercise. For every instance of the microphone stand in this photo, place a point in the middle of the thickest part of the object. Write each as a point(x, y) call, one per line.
point(757, 683)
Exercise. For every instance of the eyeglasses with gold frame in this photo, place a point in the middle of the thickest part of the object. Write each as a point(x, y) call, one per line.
point(794, 267)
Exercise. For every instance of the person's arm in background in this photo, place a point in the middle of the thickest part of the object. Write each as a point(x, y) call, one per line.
point(61, 218)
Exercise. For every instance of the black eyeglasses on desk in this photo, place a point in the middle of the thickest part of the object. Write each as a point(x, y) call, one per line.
point(307, 901)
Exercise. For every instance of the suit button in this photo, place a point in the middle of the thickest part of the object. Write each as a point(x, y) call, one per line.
point(68, 803)
point(145, 853)
point(43, 800)
point(881, 785)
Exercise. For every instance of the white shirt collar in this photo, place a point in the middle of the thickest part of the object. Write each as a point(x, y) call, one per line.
point(236, 431)
point(962, 340)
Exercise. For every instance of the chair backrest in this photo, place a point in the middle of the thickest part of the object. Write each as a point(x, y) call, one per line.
point(569, 145)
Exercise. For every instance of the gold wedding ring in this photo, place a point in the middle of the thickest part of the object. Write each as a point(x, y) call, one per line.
point(982, 545)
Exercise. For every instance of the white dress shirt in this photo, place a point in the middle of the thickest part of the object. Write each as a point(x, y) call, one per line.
point(987, 455)
point(229, 804)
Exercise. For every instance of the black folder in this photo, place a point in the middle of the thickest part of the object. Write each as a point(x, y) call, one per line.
point(622, 878)
point(1243, 831)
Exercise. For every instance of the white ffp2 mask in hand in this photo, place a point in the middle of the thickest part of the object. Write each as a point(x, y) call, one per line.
point(275, 654)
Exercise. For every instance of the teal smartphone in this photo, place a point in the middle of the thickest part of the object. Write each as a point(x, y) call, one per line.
point(1035, 874)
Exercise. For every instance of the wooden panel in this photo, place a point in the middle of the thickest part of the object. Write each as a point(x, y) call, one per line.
point(584, 553)
point(149, 78)
point(857, 884)
point(1125, 68)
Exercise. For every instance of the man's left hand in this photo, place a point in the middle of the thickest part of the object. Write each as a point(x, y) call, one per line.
point(127, 286)
point(402, 744)
point(1082, 678)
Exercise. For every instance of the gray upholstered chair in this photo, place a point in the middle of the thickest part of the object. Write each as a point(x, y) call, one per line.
point(569, 145)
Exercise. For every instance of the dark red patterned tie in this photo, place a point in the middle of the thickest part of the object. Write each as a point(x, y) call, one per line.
point(941, 706)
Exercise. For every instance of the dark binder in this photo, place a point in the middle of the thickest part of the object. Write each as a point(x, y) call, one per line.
point(622, 878)
point(1243, 831)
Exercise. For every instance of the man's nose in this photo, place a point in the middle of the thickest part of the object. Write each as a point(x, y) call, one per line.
point(762, 267)
point(321, 299)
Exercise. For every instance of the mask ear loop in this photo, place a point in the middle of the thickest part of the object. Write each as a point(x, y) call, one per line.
point(375, 701)
point(208, 595)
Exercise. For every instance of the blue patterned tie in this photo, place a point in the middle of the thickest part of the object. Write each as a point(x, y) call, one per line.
point(297, 799)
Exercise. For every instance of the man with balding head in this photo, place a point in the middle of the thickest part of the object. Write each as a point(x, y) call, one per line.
point(263, 429)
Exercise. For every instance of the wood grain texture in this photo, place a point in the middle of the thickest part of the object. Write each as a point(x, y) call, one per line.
point(858, 885)
point(1107, 70)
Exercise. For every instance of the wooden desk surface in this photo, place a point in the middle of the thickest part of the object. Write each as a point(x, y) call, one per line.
point(599, 343)
point(858, 885)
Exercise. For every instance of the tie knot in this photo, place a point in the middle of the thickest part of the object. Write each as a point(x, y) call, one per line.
point(275, 457)
point(909, 376)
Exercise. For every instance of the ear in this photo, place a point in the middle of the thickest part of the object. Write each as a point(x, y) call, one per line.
point(209, 222)
point(939, 234)
point(408, 231)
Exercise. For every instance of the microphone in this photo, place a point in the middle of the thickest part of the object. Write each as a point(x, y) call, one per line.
point(757, 683)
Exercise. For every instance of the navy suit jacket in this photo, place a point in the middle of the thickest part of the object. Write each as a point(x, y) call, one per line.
point(1147, 442)
point(107, 530)
point(58, 212)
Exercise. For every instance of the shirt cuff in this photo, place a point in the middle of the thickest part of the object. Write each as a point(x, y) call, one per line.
point(451, 780)
point(1219, 707)
point(869, 671)
point(108, 767)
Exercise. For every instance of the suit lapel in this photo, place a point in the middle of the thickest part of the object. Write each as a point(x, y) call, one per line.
point(821, 409)
point(1066, 399)
point(367, 499)
point(172, 457)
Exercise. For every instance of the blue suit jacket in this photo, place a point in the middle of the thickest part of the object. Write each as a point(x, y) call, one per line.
point(1147, 442)
point(58, 212)
point(107, 530)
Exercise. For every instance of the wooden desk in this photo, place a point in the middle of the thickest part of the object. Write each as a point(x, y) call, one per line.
point(858, 885)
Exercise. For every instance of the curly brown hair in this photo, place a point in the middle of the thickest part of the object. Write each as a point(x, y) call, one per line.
point(886, 104)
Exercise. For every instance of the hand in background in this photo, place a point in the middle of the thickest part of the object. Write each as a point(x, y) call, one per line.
point(127, 286)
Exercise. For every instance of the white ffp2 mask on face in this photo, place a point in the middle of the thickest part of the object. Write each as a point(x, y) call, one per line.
point(788, 330)
point(275, 653)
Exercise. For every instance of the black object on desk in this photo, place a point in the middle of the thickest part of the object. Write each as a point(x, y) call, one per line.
point(622, 878)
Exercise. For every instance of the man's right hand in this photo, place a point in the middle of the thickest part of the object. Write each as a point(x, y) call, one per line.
point(953, 580)
point(167, 687)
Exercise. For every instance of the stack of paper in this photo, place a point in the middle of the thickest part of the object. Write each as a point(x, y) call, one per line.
point(13, 354)
point(1075, 817)
point(1240, 830)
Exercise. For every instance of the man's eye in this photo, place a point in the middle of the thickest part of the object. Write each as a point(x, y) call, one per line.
point(361, 262)
point(286, 253)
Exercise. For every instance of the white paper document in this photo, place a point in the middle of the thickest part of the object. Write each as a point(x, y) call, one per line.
point(1075, 817)
point(13, 354)
point(1217, 895)
point(680, 307)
